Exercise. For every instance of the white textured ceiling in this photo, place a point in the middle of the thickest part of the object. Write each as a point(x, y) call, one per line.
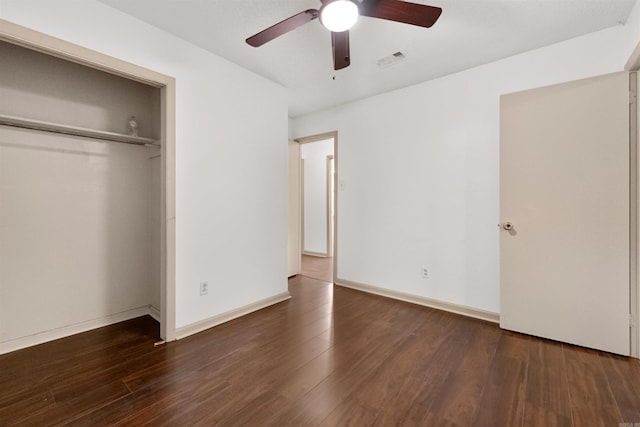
point(469, 33)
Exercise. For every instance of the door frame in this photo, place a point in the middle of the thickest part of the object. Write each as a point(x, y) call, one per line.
point(634, 220)
point(333, 238)
point(633, 65)
point(330, 215)
point(293, 208)
point(34, 40)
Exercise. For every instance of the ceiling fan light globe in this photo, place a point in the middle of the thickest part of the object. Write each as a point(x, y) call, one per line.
point(339, 15)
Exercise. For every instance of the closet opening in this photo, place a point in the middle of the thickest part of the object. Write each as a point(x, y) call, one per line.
point(87, 194)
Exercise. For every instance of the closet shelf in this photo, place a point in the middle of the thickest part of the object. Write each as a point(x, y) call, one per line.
point(73, 130)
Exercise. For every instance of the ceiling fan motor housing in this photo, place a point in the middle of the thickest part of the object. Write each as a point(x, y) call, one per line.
point(338, 15)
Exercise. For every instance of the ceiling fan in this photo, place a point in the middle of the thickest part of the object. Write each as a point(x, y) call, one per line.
point(340, 15)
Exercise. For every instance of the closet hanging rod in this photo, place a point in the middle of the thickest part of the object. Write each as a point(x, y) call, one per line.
point(74, 130)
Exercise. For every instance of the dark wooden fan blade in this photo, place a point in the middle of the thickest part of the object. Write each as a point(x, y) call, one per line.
point(401, 11)
point(340, 43)
point(282, 27)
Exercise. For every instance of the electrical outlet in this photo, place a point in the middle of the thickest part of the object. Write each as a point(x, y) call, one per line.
point(425, 273)
point(204, 288)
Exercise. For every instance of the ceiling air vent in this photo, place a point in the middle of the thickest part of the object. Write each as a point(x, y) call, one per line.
point(394, 58)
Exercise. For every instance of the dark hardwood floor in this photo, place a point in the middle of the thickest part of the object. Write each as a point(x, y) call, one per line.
point(330, 356)
point(320, 268)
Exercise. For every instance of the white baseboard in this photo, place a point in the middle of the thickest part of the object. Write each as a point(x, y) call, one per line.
point(155, 313)
point(54, 334)
point(489, 316)
point(316, 254)
point(202, 325)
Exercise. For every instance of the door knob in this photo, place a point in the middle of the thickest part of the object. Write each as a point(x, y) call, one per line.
point(507, 226)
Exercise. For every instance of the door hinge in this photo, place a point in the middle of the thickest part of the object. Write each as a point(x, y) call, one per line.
point(632, 97)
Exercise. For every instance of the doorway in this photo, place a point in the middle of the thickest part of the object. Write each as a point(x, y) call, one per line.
point(317, 211)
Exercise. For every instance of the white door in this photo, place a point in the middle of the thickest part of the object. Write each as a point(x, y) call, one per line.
point(294, 209)
point(564, 188)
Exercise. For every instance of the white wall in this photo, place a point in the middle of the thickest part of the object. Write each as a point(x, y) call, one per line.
point(420, 169)
point(231, 170)
point(315, 155)
point(631, 31)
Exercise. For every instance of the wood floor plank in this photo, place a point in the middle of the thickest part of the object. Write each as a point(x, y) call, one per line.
point(541, 416)
point(173, 360)
point(351, 414)
point(257, 411)
point(458, 398)
point(547, 391)
point(73, 405)
point(194, 404)
point(14, 411)
point(443, 340)
point(143, 404)
point(592, 401)
point(315, 267)
point(503, 397)
point(300, 381)
point(94, 357)
point(329, 356)
point(278, 361)
point(622, 373)
point(430, 373)
point(385, 384)
point(355, 360)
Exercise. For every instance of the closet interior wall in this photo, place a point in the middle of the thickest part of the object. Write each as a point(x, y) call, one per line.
point(79, 218)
